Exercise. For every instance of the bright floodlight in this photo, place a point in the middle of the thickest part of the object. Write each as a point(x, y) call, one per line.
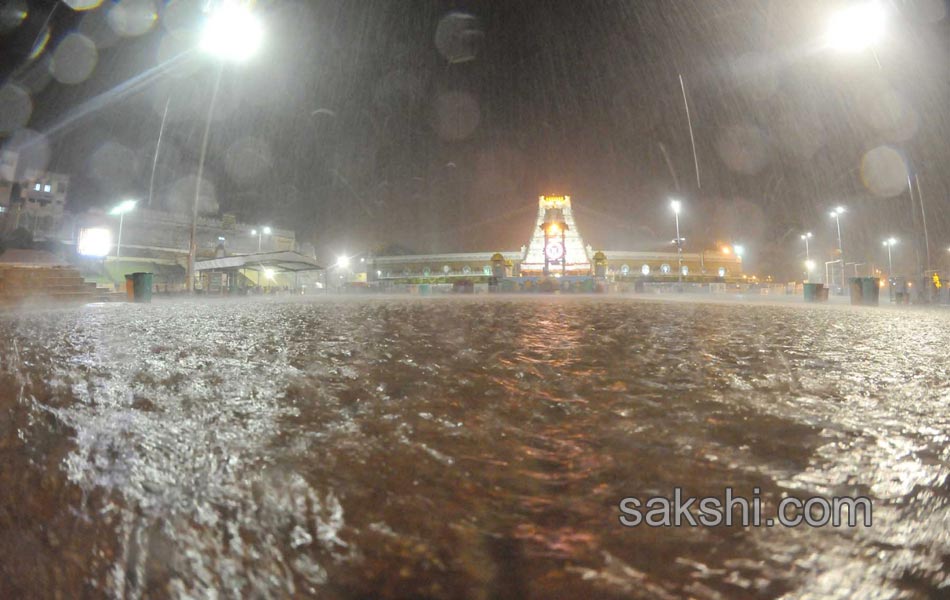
point(856, 27)
point(123, 207)
point(266, 230)
point(890, 241)
point(269, 273)
point(805, 236)
point(838, 211)
point(676, 205)
point(94, 241)
point(343, 262)
point(739, 250)
point(232, 32)
point(810, 265)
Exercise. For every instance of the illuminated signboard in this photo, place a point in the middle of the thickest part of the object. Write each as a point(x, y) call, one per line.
point(554, 250)
point(94, 241)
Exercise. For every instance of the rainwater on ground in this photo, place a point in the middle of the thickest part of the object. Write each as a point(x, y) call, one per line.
point(466, 448)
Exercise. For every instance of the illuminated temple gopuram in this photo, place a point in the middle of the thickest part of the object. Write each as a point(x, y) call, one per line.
point(556, 249)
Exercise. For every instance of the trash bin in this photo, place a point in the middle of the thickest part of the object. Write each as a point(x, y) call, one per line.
point(142, 287)
point(855, 285)
point(823, 294)
point(870, 291)
point(813, 292)
point(129, 288)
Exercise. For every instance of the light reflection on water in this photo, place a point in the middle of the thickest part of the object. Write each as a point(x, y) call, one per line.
point(467, 447)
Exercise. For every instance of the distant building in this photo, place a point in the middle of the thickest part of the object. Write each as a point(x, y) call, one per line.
point(8, 164)
point(158, 234)
point(35, 200)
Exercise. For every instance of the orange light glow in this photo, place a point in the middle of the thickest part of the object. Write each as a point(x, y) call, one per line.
point(726, 249)
point(555, 201)
point(554, 229)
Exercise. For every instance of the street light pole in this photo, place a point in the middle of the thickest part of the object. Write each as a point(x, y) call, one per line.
point(890, 266)
point(676, 205)
point(120, 210)
point(118, 244)
point(836, 213)
point(193, 248)
point(231, 33)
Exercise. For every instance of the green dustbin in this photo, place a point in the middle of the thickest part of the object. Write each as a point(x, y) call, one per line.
point(142, 287)
point(857, 297)
point(813, 292)
point(870, 291)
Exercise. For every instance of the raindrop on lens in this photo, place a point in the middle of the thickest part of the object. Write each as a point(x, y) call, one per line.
point(74, 59)
point(32, 147)
point(457, 115)
point(884, 172)
point(458, 37)
point(130, 18)
point(15, 108)
point(82, 5)
point(12, 14)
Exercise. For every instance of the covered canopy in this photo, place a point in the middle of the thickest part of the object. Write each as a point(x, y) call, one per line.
point(279, 261)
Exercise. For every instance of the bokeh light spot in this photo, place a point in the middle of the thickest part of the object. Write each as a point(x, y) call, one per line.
point(457, 115)
point(33, 149)
point(16, 106)
point(82, 5)
point(74, 59)
point(743, 148)
point(95, 26)
point(130, 18)
point(884, 172)
point(12, 14)
point(458, 37)
point(247, 159)
point(114, 164)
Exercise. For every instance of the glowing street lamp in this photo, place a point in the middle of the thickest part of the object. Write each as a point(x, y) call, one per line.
point(739, 250)
point(806, 236)
point(856, 27)
point(343, 262)
point(888, 243)
point(119, 210)
point(260, 233)
point(677, 206)
point(232, 33)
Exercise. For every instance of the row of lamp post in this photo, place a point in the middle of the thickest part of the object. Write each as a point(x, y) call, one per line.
point(676, 206)
point(836, 215)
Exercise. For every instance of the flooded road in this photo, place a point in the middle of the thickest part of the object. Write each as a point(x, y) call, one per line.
point(466, 448)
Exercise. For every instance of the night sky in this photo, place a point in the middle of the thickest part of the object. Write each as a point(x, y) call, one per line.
point(434, 126)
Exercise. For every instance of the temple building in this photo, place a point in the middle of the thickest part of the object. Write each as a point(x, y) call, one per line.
point(556, 249)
